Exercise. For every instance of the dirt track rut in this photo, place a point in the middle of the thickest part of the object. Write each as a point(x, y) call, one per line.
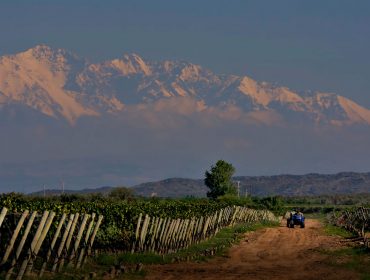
point(271, 253)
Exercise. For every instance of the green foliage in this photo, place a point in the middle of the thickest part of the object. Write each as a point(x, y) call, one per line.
point(272, 203)
point(231, 199)
point(121, 193)
point(120, 216)
point(338, 231)
point(353, 258)
point(314, 209)
point(70, 197)
point(330, 200)
point(219, 179)
point(114, 237)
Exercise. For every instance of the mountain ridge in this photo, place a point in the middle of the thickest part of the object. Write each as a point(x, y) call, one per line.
point(61, 85)
point(310, 184)
point(285, 185)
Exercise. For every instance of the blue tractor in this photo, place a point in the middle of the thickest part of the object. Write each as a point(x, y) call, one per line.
point(295, 218)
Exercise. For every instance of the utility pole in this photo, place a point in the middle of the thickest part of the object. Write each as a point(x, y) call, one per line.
point(62, 186)
point(238, 182)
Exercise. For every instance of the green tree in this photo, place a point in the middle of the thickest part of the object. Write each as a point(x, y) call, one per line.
point(273, 203)
point(121, 193)
point(218, 179)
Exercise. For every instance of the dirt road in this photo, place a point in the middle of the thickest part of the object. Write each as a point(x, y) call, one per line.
point(271, 253)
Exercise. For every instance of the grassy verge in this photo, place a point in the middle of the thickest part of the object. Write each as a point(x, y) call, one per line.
point(218, 244)
point(352, 258)
point(112, 265)
point(338, 231)
point(355, 257)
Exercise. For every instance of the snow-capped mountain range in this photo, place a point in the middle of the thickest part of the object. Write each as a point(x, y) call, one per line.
point(61, 85)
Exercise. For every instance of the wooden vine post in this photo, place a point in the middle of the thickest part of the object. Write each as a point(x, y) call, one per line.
point(34, 243)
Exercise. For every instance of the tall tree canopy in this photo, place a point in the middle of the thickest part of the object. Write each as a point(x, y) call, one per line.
point(218, 179)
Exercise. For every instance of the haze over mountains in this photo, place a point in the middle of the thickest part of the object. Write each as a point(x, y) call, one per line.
point(129, 120)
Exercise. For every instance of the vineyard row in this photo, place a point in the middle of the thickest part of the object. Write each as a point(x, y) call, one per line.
point(166, 235)
point(35, 243)
point(357, 221)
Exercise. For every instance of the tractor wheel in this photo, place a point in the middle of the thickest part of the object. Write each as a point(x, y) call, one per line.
point(291, 224)
point(302, 225)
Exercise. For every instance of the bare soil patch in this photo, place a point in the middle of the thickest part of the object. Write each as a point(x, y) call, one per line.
point(270, 253)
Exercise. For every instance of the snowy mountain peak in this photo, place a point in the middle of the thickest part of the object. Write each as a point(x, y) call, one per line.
point(46, 53)
point(264, 94)
point(58, 84)
point(37, 78)
point(41, 52)
point(191, 72)
point(129, 64)
point(132, 64)
point(354, 112)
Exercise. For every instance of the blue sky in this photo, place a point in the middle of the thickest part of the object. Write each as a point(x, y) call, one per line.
point(305, 45)
point(318, 45)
